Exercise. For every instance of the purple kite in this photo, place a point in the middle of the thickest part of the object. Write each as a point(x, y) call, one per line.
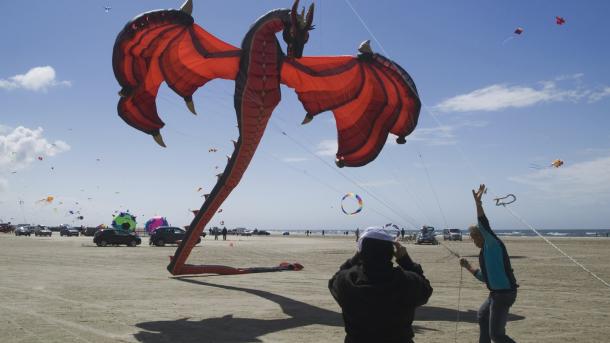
point(153, 223)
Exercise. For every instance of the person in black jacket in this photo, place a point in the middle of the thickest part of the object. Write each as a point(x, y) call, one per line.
point(378, 300)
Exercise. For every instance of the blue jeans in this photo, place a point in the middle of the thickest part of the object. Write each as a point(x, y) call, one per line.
point(493, 315)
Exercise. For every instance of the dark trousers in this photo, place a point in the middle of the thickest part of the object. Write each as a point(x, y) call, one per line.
point(493, 315)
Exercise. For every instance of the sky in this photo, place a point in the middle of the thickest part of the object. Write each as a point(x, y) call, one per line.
point(498, 108)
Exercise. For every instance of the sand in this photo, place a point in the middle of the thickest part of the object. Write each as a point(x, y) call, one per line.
point(63, 289)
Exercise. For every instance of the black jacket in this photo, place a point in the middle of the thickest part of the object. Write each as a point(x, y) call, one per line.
point(379, 306)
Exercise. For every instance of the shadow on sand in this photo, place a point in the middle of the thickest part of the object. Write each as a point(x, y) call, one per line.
point(231, 329)
point(440, 314)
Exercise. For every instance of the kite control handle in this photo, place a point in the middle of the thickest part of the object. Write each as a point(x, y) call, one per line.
point(499, 201)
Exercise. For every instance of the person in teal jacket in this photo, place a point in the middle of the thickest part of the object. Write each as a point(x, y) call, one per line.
point(496, 272)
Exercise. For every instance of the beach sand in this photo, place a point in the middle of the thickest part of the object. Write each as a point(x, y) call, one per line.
point(68, 290)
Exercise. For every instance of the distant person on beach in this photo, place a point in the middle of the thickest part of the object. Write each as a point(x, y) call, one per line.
point(322, 232)
point(224, 233)
point(216, 233)
point(378, 300)
point(402, 233)
point(357, 234)
point(497, 273)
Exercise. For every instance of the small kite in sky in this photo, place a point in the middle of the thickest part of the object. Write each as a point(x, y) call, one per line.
point(40, 158)
point(560, 20)
point(47, 200)
point(518, 31)
point(107, 9)
point(557, 163)
point(212, 150)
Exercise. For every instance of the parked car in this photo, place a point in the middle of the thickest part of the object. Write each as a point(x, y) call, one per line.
point(167, 235)
point(116, 237)
point(261, 232)
point(426, 236)
point(69, 231)
point(23, 231)
point(452, 235)
point(90, 231)
point(6, 228)
point(42, 231)
point(285, 233)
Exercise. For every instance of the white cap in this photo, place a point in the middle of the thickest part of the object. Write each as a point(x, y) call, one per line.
point(374, 232)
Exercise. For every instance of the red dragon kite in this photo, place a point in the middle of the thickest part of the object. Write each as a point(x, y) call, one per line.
point(369, 95)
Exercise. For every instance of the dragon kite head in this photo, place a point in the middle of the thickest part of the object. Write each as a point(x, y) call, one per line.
point(296, 30)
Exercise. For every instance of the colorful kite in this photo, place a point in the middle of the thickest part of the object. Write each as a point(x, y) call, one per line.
point(153, 223)
point(354, 211)
point(560, 21)
point(46, 200)
point(518, 31)
point(557, 163)
point(369, 95)
point(125, 221)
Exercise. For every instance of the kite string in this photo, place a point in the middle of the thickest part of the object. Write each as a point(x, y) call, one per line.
point(556, 247)
point(428, 175)
point(388, 56)
point(408, 220)
point(457, 319)
point(464, 157)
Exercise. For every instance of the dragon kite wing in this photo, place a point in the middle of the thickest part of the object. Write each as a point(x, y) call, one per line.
point(166, 45)
point(369, 95)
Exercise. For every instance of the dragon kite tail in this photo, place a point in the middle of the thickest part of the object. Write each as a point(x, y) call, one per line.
point(166, 46)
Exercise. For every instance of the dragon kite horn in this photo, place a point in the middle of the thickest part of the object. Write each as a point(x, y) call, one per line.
point(309, 17)
point(294, 14)
point(187, 7)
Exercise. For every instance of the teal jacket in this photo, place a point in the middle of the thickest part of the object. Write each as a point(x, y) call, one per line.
point(495, 270)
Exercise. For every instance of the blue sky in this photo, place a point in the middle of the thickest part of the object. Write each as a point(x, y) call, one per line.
point(494, 103)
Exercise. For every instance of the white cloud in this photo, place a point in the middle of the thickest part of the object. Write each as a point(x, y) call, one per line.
point(22, 146)
point(327, 147)
point(501, 96)
point(597, 96)
point(442, 134)
point(3, 184)
point(590, 179)
point(35, 79)
point(294, 159)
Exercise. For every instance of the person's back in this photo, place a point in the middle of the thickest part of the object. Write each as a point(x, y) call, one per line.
point(378, 300)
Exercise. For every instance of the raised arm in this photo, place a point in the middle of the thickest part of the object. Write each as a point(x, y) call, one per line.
point(477, 200)
point(484, 227)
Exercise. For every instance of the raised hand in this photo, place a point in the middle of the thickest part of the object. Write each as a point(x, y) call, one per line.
point(479, 194)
